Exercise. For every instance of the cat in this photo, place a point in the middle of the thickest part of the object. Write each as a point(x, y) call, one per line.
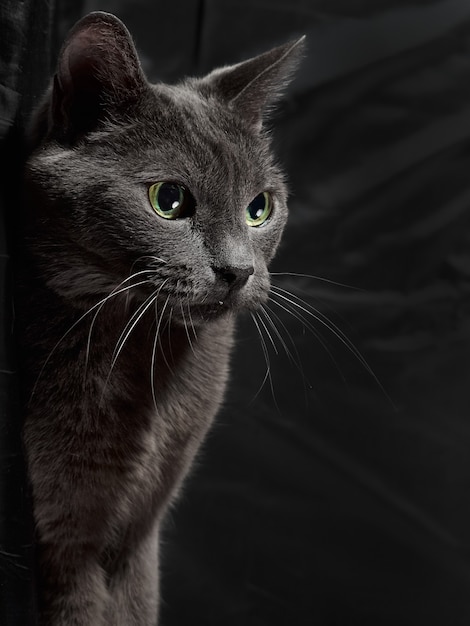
point(150, 215)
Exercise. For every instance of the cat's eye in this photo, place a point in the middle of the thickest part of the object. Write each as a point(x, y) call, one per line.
point(171, 201)
point(259, 209)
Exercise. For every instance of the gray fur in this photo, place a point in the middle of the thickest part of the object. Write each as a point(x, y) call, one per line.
point(112, 426)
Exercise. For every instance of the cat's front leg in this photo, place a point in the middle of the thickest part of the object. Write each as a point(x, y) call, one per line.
point(73, 590)
point(133, 586)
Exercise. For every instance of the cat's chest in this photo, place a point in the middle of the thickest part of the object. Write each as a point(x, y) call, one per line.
point(157, 403)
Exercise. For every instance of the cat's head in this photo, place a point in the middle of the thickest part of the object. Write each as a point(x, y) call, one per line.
point(174, 185)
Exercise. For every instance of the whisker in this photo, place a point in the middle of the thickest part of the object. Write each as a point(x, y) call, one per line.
point(169, 343)
point(135, 319)
point(115, 291)
point(154, 350)
point(260, 319)
point(265, 350)
point(325, 321)
point(307, 324)
point(321, 302)
point(264, 309)
point(191, 321)
point(295, 360)
point(331, 327)
point(131, 324)
point(76, 323)
point(319, 278)
point(186, 330)
point(151, 257)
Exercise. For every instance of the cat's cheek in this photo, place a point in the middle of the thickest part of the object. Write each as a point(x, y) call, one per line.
point(256, 291)
point(266, 238)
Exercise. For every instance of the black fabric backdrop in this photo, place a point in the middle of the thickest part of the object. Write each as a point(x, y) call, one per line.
point(332, 496)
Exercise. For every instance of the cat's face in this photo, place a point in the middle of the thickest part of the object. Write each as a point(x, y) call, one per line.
point(171, 189)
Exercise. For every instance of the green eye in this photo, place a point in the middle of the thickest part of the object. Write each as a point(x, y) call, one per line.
point(170, 200)
point(259, 209)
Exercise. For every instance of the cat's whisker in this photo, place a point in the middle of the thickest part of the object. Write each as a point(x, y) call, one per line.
point(191, 321)
point(151, 257)
point(266, 330)
point(132, 323)
point(301, 305)
point(324, 320)
point(319, 278)
point(169, 343)
point(310, 307)
point(265, 350)
point(76, 323)
point(295, 360)
point(269, 318)
point(113, 293)
point(157, 340)
point(309, 326)
point(186, 330)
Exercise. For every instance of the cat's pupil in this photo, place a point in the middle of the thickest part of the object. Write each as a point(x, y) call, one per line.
point(171, 201)
point(257, 207)
point(170, 197)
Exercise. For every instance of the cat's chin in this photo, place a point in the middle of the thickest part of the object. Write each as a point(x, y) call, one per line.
point(204, 313)
point(199, 314)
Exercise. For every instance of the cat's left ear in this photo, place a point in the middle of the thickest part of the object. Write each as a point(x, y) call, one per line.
point(98, 74)
point(250, 87)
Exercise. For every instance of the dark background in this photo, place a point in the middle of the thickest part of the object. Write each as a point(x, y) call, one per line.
point(331, 496)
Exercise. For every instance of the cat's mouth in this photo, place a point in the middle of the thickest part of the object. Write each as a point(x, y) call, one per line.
point(231, 305)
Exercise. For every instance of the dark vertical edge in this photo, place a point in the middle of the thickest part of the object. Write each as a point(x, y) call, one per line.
point(28, 37)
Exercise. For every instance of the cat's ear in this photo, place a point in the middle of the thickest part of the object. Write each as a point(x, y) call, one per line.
point(98, 73)
point(251, 86)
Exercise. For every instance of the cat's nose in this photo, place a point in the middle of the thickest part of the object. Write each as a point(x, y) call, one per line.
point(234, 276)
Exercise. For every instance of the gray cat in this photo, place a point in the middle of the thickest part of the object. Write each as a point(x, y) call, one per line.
point(150, 215)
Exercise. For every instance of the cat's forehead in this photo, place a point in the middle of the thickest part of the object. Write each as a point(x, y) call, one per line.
point(184, 109)
point(197, 136)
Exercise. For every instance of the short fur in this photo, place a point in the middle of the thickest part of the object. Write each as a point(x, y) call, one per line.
point(125, 318)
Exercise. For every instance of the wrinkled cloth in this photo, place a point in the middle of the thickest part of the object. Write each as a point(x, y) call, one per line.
point(26, 36)
point(339, 495)
point(334, 489)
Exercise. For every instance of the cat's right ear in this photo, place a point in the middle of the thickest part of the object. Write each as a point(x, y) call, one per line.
point(250, 87)
point(98, 74)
